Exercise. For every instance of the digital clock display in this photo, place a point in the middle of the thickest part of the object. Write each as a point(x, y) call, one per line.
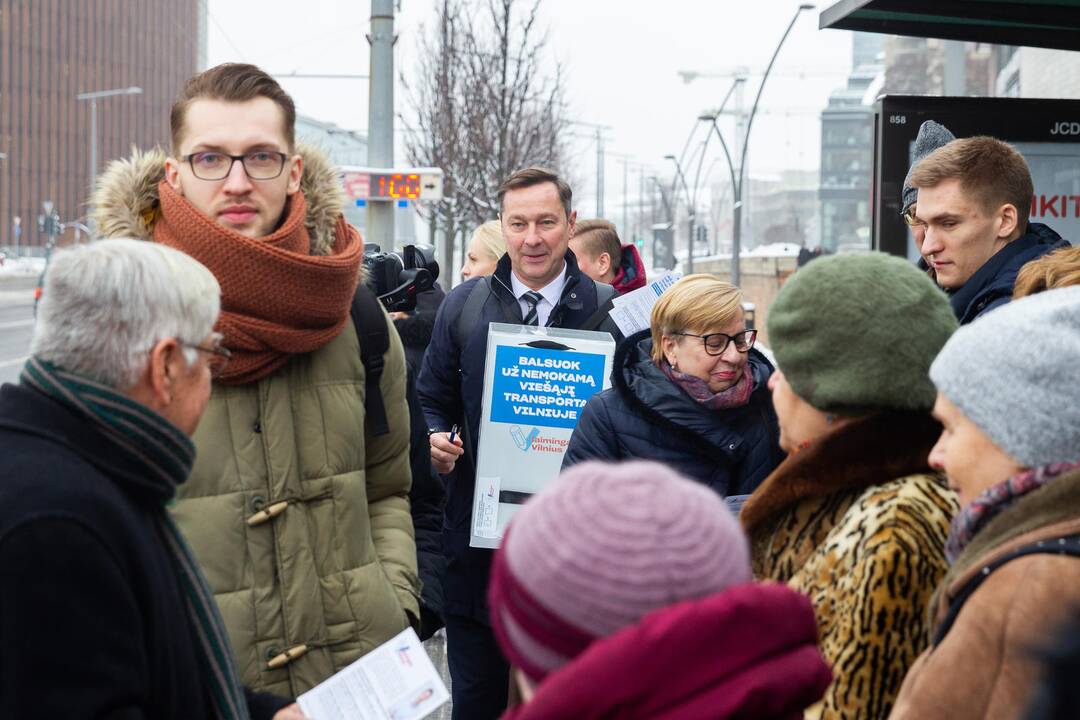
point(395, 186)
point(400, 184)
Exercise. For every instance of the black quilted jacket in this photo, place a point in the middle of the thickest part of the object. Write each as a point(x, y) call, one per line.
point(645, 415)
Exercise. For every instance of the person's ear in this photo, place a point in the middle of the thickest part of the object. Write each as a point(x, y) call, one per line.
point(603, 263)
point(571, 222)
point(166, 362)
point(172, 174)
point(1008, 220)
point(296, 172)
point(667, 346)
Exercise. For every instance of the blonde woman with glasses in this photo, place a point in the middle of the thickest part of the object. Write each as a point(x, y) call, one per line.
point(690, 392)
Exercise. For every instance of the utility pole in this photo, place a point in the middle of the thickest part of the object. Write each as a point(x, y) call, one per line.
point(625, 216)
point(380, 215)
point(599, 173)
point(598, 138)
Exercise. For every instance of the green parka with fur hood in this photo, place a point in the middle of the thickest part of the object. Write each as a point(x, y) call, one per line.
point(332, 574)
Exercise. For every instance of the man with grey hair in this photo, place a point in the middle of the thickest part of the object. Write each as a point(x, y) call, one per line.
point(103, 609)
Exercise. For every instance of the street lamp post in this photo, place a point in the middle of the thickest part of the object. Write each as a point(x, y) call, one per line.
point(736, 237)
point(93, 97)
point(691, 197)
point(690, 204)
point(737, 183)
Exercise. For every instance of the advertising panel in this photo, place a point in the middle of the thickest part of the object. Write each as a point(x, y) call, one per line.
point(1046, 132)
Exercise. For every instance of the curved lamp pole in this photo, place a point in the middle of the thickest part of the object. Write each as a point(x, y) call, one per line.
point(736, 235)
point(691, 197)
point(679, 175)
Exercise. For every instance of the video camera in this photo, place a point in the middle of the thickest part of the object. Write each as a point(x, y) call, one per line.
point(397, 278)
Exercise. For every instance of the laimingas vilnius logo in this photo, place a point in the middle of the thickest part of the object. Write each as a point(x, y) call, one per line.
point(523, 441)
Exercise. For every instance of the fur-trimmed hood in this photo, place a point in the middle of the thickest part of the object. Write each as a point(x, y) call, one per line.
point(869, 451)
point(125, 198)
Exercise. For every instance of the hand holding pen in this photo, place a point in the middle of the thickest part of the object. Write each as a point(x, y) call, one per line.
point(446, 448)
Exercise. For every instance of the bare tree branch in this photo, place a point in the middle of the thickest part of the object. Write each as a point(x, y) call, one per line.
point(484, 103)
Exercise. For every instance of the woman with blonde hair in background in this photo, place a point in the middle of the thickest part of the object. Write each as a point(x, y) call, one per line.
point(484, 250)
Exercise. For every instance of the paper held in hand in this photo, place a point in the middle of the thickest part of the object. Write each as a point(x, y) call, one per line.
point(633, 311)
point(395, 681)
point(536, 382)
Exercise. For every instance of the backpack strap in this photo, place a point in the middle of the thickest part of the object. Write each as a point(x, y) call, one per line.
point(605, 297)
point(374, 336)
point(1069, 545)
point(470, 312)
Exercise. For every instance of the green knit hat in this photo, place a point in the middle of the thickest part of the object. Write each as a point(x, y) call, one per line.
point(854, 334)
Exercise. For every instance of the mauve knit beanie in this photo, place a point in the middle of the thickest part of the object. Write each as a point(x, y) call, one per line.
point(603, 546)
point(1014, 371)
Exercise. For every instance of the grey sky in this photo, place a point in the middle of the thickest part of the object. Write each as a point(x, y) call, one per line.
point(621, 58)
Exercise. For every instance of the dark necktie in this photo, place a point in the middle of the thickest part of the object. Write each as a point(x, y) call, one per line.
point(532, 299)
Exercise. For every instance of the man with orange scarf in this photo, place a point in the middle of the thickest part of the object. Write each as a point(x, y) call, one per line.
point(296, 510)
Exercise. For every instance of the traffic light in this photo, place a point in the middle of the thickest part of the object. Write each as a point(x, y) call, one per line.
point(49, 222)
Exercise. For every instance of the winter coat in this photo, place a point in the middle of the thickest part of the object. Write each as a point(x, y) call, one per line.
point(992, 285)
point(451, 389)
point(646, 415)
point(986, 666)
point(631, 273)
point(857, 522)
point(93, 619)
point(748, 652)
point(329, 572)
point(427, 496)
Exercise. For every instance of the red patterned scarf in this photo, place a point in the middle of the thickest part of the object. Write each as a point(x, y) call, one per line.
point(735, 396)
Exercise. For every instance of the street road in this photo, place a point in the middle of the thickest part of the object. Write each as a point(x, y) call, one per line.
point(16, 325)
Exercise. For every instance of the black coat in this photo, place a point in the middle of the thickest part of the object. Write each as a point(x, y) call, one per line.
point(427, 495)
point(426, 499)
point(451, 389)
point(93, 622)
point(645, 415)
point(992, 285)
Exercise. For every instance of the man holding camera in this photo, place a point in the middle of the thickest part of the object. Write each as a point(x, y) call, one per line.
point(537, 282)
point(297, 511)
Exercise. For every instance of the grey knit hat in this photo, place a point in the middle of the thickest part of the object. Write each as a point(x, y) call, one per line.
point(1014, 372)
point(855, 334)
point(932, 135)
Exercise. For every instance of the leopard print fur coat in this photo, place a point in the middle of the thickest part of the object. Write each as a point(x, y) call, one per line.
point(858, 522)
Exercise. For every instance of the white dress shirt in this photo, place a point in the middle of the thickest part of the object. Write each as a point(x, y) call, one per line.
point(551, 293)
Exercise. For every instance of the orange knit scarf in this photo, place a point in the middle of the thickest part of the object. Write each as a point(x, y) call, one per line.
point(277, 300)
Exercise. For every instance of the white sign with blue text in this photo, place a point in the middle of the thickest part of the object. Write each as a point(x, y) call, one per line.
point(536, 383)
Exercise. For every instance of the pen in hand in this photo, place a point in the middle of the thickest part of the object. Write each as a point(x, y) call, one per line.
point(453, 433)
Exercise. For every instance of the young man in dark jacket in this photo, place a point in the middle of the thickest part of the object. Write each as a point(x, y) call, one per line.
point(603, 257)
point(537, 282)
point(973, 202)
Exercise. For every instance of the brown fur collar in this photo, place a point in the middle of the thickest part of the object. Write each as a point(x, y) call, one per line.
point(869, 451)
point(125, 198)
